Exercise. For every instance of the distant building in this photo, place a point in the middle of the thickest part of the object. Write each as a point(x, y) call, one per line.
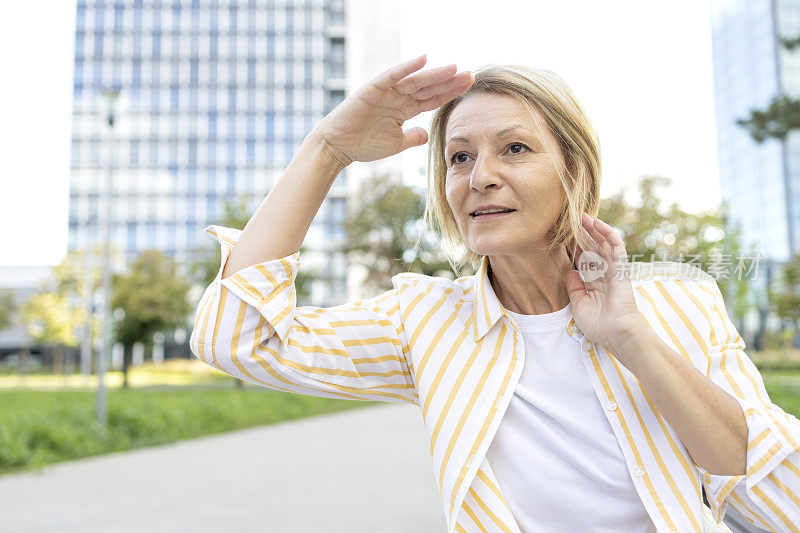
point(216, 97)
point(760, 183)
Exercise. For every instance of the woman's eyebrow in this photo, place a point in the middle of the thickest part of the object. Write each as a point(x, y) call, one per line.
point(498, 134)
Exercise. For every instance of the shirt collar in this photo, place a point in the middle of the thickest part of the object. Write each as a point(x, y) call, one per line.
point(488, 309)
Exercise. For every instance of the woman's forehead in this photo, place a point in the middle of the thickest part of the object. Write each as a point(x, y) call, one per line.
point(491, 115)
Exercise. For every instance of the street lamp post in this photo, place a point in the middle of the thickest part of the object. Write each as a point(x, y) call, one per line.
point(110, 96)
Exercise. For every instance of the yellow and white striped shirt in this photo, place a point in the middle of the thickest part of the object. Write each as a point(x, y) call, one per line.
point(451, 348)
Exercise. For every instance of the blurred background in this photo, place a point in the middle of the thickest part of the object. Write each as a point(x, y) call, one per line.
point(129, 126)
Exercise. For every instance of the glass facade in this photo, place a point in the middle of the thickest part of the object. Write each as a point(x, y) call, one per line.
point(787, 19)
point(215, 98)
point(747, 75)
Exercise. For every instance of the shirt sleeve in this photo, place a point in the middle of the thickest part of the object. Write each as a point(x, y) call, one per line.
point(249, 326)
point(768, 494)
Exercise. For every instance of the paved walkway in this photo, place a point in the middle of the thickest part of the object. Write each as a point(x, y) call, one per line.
point(362, 470)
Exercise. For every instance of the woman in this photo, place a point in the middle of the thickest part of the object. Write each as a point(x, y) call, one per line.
point(603, 399)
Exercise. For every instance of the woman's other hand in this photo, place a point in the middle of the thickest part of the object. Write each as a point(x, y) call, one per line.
point(368, 124)
point(601, 293)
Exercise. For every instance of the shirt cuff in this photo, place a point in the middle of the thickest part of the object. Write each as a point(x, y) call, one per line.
point(767, 447)
point(267, 286)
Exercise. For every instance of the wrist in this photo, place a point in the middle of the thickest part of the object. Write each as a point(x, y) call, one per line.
point(629, 335)
point(327, 152)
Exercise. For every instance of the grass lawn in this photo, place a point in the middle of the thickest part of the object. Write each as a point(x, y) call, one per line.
point(784, 390)
point(46, 419)
point(171, 372)
point(39, 427)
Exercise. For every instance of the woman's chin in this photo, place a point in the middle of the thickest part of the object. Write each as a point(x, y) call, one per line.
point(499, 246)
point(489, 247)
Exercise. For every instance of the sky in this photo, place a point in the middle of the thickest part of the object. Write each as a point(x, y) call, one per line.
point(641, 70)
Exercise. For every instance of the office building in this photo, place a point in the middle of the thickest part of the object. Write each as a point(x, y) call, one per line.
point(759, 182)
point(215, 98)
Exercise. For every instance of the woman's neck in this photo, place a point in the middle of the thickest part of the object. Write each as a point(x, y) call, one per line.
point(532, 285)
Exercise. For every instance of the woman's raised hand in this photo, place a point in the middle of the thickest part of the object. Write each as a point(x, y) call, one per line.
point(368, 124)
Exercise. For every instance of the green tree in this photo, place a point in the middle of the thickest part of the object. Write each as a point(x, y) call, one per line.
point(70, 282)
point(8, 308)
point(781, 117)
point(77, 279)
point(782, 114)
point(737, 290)
point(785, 297)
point(51, 319)
point(653, 231)
point(381, 231)
point(657, 232)
point(153, 297)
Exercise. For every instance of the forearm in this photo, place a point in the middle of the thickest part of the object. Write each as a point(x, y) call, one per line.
point(281, 222)
point(708, 420)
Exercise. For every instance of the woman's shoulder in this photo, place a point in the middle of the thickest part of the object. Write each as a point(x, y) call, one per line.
point(674, 285)
point(422, 282)
point(684, 304)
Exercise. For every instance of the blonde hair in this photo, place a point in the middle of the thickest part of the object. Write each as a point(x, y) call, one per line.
point(578, 166)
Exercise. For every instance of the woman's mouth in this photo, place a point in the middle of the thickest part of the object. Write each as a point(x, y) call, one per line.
point(491, 216)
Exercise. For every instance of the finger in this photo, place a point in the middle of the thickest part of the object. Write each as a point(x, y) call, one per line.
point(592, 241)
point(440, 99)
point(577, 252)
point(441, 87)
point(581, 264)
point(576, 288)
point(412, 84)
point(617, 254)
point(592, 263)
point(398, 72)
point(613, 244)
point(414, 137)
point(612, 236)
point(603, 248)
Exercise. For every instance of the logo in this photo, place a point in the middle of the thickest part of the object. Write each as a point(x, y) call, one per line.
point(591, 266)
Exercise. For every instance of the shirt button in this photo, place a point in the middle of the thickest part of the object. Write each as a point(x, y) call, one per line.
point(587, 345)
point(611, 406)
point(639, 471)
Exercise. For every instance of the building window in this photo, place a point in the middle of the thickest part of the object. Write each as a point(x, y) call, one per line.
point(337, 58)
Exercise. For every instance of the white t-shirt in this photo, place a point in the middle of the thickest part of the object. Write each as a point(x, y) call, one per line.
point(555, 455)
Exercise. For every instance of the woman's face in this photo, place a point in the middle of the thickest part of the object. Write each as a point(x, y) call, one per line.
point(496, 156)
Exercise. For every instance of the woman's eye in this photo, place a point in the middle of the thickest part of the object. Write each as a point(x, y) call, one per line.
point(515, 148)
point(511, 147)
point(454, 156)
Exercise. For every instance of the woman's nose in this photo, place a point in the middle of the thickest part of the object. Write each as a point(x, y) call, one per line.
point(484, 174)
